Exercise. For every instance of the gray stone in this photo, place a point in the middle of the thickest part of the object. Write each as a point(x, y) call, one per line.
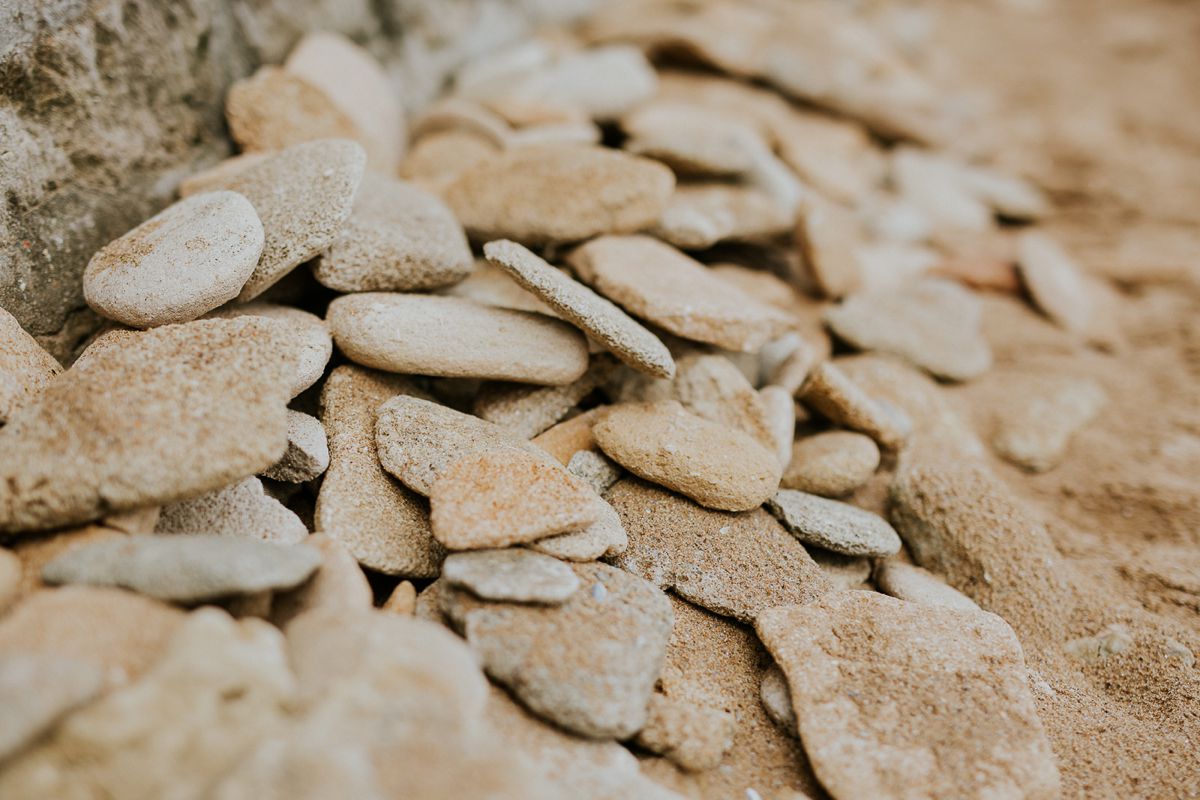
point(241, 510)
point(514, 575)
point(835, 526)
point(307, 454)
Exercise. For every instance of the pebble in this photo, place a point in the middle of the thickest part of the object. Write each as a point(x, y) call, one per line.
point(829, 391)
point(530, 410)
point(38, 690)
point(515, 575)
point(933, 323)
point(828, 237)
point(274, 109)
point(588, 665)
point(716, 466)
point(185, 569)
point(599, 472)
point(307, 454)
point(602, 321)
point(657, 283)
point(25, 368)
point(544, 194)
point(736, 565)
point(1054, 281)
point(605, 537)
point(398, 237)
point(1112, 639)
point(303, 195)
point(403, 600)
point(835, 526)
point(138, 521)
point(835, 156)
point(570, 436)
point(693, 736)
point(831, 464)
point(182, 262)
point(856, 662)
point(780, 410)
point(307, 332)
point(694, 141)
point(338, 585)
point(454, 338)
point(701, 215)
point(490, 285)
point(777, 700)
point(910, 582)
point(241, 510)
point(503, 496)
point(712, 387)
point(1041, 413)
point(436, 160)
point(216, 176)
point(146, 418)
point(382, 523)
point(935, 184)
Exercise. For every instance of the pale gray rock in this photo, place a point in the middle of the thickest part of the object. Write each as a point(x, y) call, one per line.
point(835, 526)
point(307, 454)
point(514, 575)
point(36, 690)
point(241, 510)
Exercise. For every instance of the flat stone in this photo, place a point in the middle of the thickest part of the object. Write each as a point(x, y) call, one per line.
point(588, 665)
point(490, 285)
point(240, 510)
point(191, 408)
point(599, 471)
point(185, 569)
point(935, 324)
point(515, 575)
point(307, 333)
point(716, 466)
point(691, 139)
point(1054, 281)
point(712, 387)
point(274, 109)
point(836, 156)
point(530, 410)
point(1042, 412)
point(777, 700)
point(25, 368)
point(736, 565)
point(539, 195)
point(701, 215)
point(604, 537)
point(338, 585)
point(398, 237)
point(657, 283)
point(37, 691)
point(307, 454)
point(868, 679)
point(916, 585)
point(303, 196)
point(833, 394)
point(828, 236)
point(382, 523)
point(779, 408)
point(601, 320)
point(934, 184)
point(504, 496)
point(831, 464)
point(437, 159)
point(570, 436)
point(835, 526)
point(695, 737)
point(419, 439)
point(10, 579)
point(844, 572)
point(454, 338)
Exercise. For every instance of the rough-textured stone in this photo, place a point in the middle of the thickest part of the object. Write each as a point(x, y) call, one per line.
point(916, 585)
point(835, 526)
point(1054, 281)
point(530, 410)
point(306, 332)
point(1040, 413)
point(599, 472)
point(831, 464)
point(274, 109)
point(701, 215)
point(838, 398)
point(338, 584)
point(25, 368)
point(307, 454)
point(515, 575)
point(36, 691)
point(695, 737)
point(241, 509)
point(712, 387)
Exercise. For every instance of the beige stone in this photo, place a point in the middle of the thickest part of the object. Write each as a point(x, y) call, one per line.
point(437, 159)
point(694, 737)
point(833, 525)
point(307, 333)
point(691, 139)
point(1054, 281)
point(402, 600)
point(569, 437)
point(777, 700)
point(240, 510)
point(215, 177)
point(307, 454)
point(712, 387)
point(779, 408)
point(831, 464)
point(916, 585)
point(833, 394)
point(37, 691)
point(274, 109)
point(25, 368)
point(604, 537)
point(338, 584)
point(1041, 413)
point(828, 236)
point(514, 575)
point(530, 410)
point(701, 215)
point(10, 579)
point(490, 285)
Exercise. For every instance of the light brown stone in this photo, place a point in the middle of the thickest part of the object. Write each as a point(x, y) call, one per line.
point(274, 109)
point(833, 394)
point(25, 368)
point(307, 333)
point(909, 582)
point(832, 525)
point(307, 454)
point(338, 584)
point(240, 510)
point(831, 464)
point(1054, 281)
point(515, 575)
point(701, 215)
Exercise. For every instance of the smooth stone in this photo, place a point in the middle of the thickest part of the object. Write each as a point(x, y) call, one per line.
point(833, 394)
point(185, 569)
point(655, 282)
point(338, 585)
point(454, 338)
point(835, 526)
point(716, 466)
point(383, 524)
point(274, 109)
point(935, 185)
point(868, 680)
point(735, 565)
point(147, 418)
point(398, 237)
point(1054, 281)
point(779, 408)
point(700, 216)
point(11, 578)
point(241, 510)
point(515, 575)
point(504, 496)
point(691, 139)
point(25, 368)
point(694, 737)
point(777, 700)
point(437, 159)
point(588, 665)
point(835, 156)
point(916, 585)
point(492, 286)
point(831, 464)
point(307, 454)
point(599, 471)
point(540, 195)
point(601, 320)
point(38, 690)
point(214, 177)
point(308, 334)
point(828, 236)
point(1035, 431)
point(403, 600)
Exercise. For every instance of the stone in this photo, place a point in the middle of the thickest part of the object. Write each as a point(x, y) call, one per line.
point(185, 569)
point(736, 565)
point(777, 700)
point(454, 338)
point(693, 140)
point(909, 582)
point(934, 323)
point(402, 600)
point(831, 464)
point(382, 523)
point(604, 537)
point(503, 496)
point(419, 439)
point(135, 522)
point(934, 184)
point(307, 454)
point(1008, 195)
point(338, 585)
point(833, 525)
point(828, 236)
point(1041, 413)
point(515, 575)
point(10, 579)
point(1113, 639)
point(239, 510)
point(214, 177)
point(490, 285)
point(599, 472)
point(1054, 281)
point(398, 237)
point(701, 215)
point(303, 196)
point(25, 368)
point(588, 665)
point(37, 691)
point(868, 679)
point(694, 737)
point(832, 393)
point(436, 160)
point(603, 322)
point(845, 572)
point(779, 408)
point(529, 410)
point(274, 109)
point(657, 283)
point(182, 262)
point(307, 332)
point(718, 467)
point(570, 436)
point(192, 407)
point(541, 195)
point(712, 387)
point(834, 155)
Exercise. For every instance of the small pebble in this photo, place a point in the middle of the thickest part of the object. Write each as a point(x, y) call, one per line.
point(274, 109)
point(712, 387)
point(830, 391)
point(701, 215)
point(307, 454)
point(403, 600)
point(831, 464)
point(916, 585)
point(599, 472)
point(828, 236)
point(515, 575)
point(835, 526)
point(308, 334)
point(1040, 414)
point(240, 510)
point(777, 700)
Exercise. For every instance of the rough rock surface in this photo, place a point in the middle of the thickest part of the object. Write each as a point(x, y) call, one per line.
point(916, 585)
point(833, 525)
point(242, 509)
point(514, 575)
point(831, 464)
point(25, 368)
point(307, 454)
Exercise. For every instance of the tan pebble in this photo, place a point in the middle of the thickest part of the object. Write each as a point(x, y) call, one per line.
point(10, 579)
point(383, 524)
point(307, 454)
point(980, 273)
point(539, 195)
point(691, 139)
point(693, 736)
point(25, 368)
point(490, 285)
point(699, 216)
point(835, 526)
point(604, 537)
point(338, 584)
point(710, 386)
point(916, 585)
point(397, 237)
point(437, 159)
point(603, 82)
point(307, 331)
point(792, 371)
point(827, 236)
point(182, 262)
point(830, 392)
point(1008, 195)
point(1054, 281)
point(831, 464)
point(1111, 640)
point(777, 700)
point(835, 156)
point(567, 438)
point(1036, 432)
point(36, 552)
point(780, 414)
point(845, 572)
point(37, 691)
point(934, 183)
point(716, 466)
point(455, 338)
point(402, 600)
point(530, 410)
point(597, 317)
point(240, 510)
point(216, 176)
point(273, 109)
point(516, 575)
point(656, 282)
point(462, 115)
point(555, 133)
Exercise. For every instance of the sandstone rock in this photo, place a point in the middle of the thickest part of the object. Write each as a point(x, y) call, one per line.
point(831, 464)
point(540, 195)
point(701, 215)
point(716, 466)
point(274, 109)
point(449, 337)
point(833, 394)
point(777, 700)
point(569, 437)
point(37, 690)
point(240, 510)
point(712, 387)
point(529, 410)
point(835, 156)
point(934, 184)
point(694, 737)
point(306, 332)
point(1054, 281)
point(25, 368)
point(599, 472)
point(874, 728)
point(10, 579)
point(691, 139)
point(307, 454)
point(1033, 428)
point(514, 575)
point(828, 236)
point(192, 406)
point(835, 526)
point(604, 537)
point(844, 572)
point(338, 584)
point(916, 585)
